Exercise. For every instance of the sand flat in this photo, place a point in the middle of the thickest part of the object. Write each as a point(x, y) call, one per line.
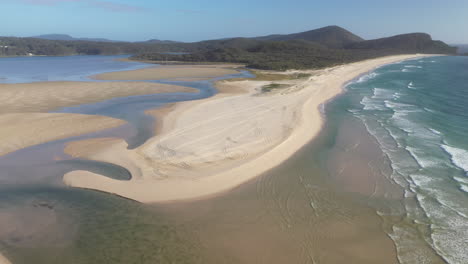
point(186, 72)
point(20, 130)
point(47, 96)
point(213, 145)
point(25, 124)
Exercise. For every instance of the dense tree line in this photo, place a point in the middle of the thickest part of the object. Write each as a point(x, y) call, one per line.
point(297, 54)
point(10, 46)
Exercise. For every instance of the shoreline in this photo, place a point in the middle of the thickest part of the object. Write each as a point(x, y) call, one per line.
point(162, 171)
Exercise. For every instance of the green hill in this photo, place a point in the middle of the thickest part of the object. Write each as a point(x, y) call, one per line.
point(301, 54)
point(331, 36)
point(414, 42)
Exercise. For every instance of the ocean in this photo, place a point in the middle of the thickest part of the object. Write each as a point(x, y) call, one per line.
point(417, 111)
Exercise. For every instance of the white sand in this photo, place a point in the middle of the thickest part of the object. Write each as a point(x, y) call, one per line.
point(213, 145)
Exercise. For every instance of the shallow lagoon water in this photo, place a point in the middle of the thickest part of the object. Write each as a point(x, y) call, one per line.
point(68, 68)
point(45, 222)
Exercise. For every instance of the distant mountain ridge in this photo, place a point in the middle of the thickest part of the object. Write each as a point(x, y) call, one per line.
point(70, 38)
point(66, 37)
point(330, 36)
point(160, 41)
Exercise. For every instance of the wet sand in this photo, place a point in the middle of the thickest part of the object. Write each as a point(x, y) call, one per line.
point(182, 72)
point(357, 165)
point(47, 96)
point(213, 145)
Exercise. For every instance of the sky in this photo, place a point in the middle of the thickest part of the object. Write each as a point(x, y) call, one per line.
point(194, 20)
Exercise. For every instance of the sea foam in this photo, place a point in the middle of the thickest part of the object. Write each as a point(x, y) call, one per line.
point(459, 157)
point(367, 77)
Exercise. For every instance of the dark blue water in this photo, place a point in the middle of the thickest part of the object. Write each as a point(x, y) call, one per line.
point(69, 68)
point(418, 112)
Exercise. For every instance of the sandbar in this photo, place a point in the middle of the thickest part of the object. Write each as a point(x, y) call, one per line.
point(192, 72)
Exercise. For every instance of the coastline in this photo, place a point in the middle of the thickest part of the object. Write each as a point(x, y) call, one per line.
point(166, 169)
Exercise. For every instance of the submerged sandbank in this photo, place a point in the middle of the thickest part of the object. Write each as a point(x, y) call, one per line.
point(213, 145)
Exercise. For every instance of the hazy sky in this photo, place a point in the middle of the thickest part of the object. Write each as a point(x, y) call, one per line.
point(192, 20)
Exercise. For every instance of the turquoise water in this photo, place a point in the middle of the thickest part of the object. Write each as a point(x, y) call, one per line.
point(418, 112)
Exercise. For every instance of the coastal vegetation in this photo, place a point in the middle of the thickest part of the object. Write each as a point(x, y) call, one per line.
point(314, 49)
point(273, 86)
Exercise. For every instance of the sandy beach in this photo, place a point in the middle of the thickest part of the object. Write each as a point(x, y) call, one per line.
point(25, 121)
point(210, 146)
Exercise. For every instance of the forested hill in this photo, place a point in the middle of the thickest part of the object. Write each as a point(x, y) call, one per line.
point(311, 49)
point(417, 42)
point(302, 54)
point(331, 36)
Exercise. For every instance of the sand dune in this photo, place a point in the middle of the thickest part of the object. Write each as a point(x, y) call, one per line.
point(213, 145)
point(46, 96)
point(198, 72)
